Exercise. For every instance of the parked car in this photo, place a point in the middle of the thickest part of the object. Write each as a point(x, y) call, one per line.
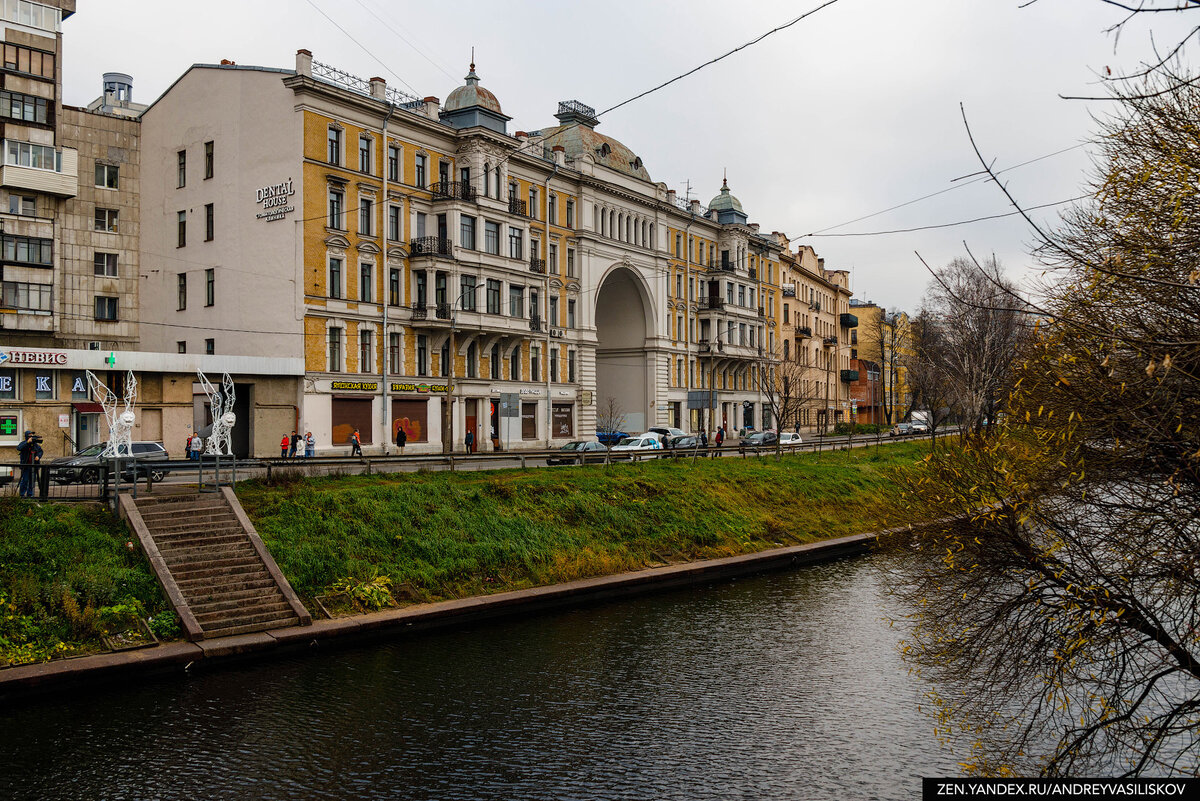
point(789, 438)
point(579, 452)
point(610, 437)
point(760, 439)
point(901, 430)
point(688, 442)
point(6, 475)
point(641, 444)
point(84, 466)
point(669, 435)
point(920, 427)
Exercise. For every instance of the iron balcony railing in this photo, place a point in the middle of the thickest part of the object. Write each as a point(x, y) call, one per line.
point(537, 265)
point(753, 273)
point(454, 190)
point(419, 311)
point(803, 331)
point(443, 311)
point(517, 207)
point(430, 246)
point(789, 293)
point(762, 311)
point(712, 302)
point(535, 323)
point(828, 341)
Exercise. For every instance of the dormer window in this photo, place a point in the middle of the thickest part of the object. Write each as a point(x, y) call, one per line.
point(636, 163)
point(605, 150)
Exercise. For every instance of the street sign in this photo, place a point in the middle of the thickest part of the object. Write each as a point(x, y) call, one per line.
point(510, 404)
point(64, 421)
point(701, 398)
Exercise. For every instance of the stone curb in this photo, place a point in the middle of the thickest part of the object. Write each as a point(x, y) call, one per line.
point(177, 657)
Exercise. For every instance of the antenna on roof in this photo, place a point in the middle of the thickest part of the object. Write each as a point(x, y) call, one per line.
point(687, 190)
point(472, 58)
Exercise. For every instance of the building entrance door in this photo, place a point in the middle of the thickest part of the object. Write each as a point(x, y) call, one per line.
point(472, 409)
point(494, 416)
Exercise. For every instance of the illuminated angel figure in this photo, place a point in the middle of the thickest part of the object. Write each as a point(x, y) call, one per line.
point(221, 403)
point(120, 423)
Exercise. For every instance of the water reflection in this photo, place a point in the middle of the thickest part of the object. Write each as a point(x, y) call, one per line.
point(784, 686)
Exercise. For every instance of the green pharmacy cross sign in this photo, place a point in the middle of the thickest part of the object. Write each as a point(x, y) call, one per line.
point(8, 425)
point(111, 359)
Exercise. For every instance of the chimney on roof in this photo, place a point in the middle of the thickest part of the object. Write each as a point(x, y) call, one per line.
point(378, 88)
point(304, 62)
point(560, 155)
point(695, 206)
point(227, 63)
point(431, 107)
point(754, 227)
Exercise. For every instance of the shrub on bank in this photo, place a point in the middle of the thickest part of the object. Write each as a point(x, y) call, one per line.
point(444, 535)
point(859, 428)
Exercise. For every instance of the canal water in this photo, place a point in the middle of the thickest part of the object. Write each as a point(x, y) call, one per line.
point(782, 686)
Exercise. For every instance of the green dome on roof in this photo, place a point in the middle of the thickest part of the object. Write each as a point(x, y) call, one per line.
point(471, 94)
point(725, 201)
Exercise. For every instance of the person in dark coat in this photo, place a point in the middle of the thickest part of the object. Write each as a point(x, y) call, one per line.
point(401, 438)
point(295, 446)
point(470, 440)
point(29, 452)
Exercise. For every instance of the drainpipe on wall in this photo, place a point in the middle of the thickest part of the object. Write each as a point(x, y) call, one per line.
point(385, 275)
point(546, 283)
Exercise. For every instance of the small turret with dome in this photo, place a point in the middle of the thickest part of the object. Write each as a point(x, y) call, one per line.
point(470, 105)
point(727, 207)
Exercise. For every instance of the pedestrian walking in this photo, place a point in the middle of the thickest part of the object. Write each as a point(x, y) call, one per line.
point(401, 438)
point(720, 436)
point(195, 443)
point(310, 445)
point(294, 446)
point(355, 444)
point(29, 452)
point(703, 439)
point(284, 444)
point(470, 440)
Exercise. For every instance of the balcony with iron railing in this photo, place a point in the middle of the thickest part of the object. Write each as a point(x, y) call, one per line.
point(762, 311)
point(753, 273)
point(789, 292)
point(829, 341)
point(441, 311)
point(518, 207)
point(712, 302)
point(431, 246)
point(708, 346)
point(803, 331)
point(537, 265)
point(535, 323)
point(454, 190)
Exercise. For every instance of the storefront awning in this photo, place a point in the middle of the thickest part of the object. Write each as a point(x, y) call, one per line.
point(85, 407)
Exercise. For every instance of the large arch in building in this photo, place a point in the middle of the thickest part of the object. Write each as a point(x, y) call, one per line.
point(624, 323)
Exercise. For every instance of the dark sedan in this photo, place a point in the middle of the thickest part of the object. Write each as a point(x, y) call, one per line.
point(579, 452)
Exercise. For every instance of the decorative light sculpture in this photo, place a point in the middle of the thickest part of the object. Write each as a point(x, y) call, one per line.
point(120, 423)
point(220, 401)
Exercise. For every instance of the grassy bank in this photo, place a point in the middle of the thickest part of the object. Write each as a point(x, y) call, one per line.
point(68, 575)
point(447, 535)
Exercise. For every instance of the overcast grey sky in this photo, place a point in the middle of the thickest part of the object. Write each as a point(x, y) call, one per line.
point(847, 113)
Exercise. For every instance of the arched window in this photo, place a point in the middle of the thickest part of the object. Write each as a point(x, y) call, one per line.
point(596, 219)
point(620, 226)
point(612, 224)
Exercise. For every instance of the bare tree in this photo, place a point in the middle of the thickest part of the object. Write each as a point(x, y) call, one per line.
point(785, 391)
point(925, 369)
point(890, 330)
point(610, 419)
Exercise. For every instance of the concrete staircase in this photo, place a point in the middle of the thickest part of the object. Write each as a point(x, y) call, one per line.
point(212, 564)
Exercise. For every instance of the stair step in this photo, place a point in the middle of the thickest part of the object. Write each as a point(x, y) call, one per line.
point(212, 589)
point(179, 503)
point(202, 557)
point(208, 538)
point(223, 621)
point(250, 628)
point(173, 523)
point(245, 613)
point(238, 599)
point(205, 573)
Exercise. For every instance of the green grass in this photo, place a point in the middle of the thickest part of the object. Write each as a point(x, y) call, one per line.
point(456, 534)
point(67, 576)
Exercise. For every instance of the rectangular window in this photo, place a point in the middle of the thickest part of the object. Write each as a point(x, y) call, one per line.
point(208, 160)
point(365, 281)
point(106, 220)
point(535, 359)
point(571, 366)
point(335, 278)
point(422, 288)
point(394, 223)
point(393, 163)
point(570, 213)
point(679, 246)
point(570, 313)
point(365, 216)
point(210, 286)
point(516, 301)
point(516, 249)
point(467, 292)
point(420, 163)
point(422, 354)
point(210, 346)
point(106, 309)
point(443, 172)
point(181, 346)
point(181, 162)
point(493, 296)
point(466, 232)
point(552, 210)
point(23, 205)
point(679, 285)
point(393, 287)
point(335, 146)
point(335, 350)
point(552, 312)
point(444, 359)
point(552, 259)
point(494, 363)
point(420, 224)
point(533, 202)
point(364, 154)
point(107, 176)
point(337, 202)
point(394, 353)
point(182, 279)
point(22, 295)
point(491, 238)
point(472, 360)
point(8, 385)
point(554, 365)
point(365, 364)
point(570, 262)
point(785, 313)
point(514, 364)
point(104, 265)
point(209, 222)
point(741, 295)
point(25, 108)
point(180, 228)
point(34, 62)
point(439, 289)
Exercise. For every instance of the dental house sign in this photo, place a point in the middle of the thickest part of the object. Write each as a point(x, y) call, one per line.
point(275, 200)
